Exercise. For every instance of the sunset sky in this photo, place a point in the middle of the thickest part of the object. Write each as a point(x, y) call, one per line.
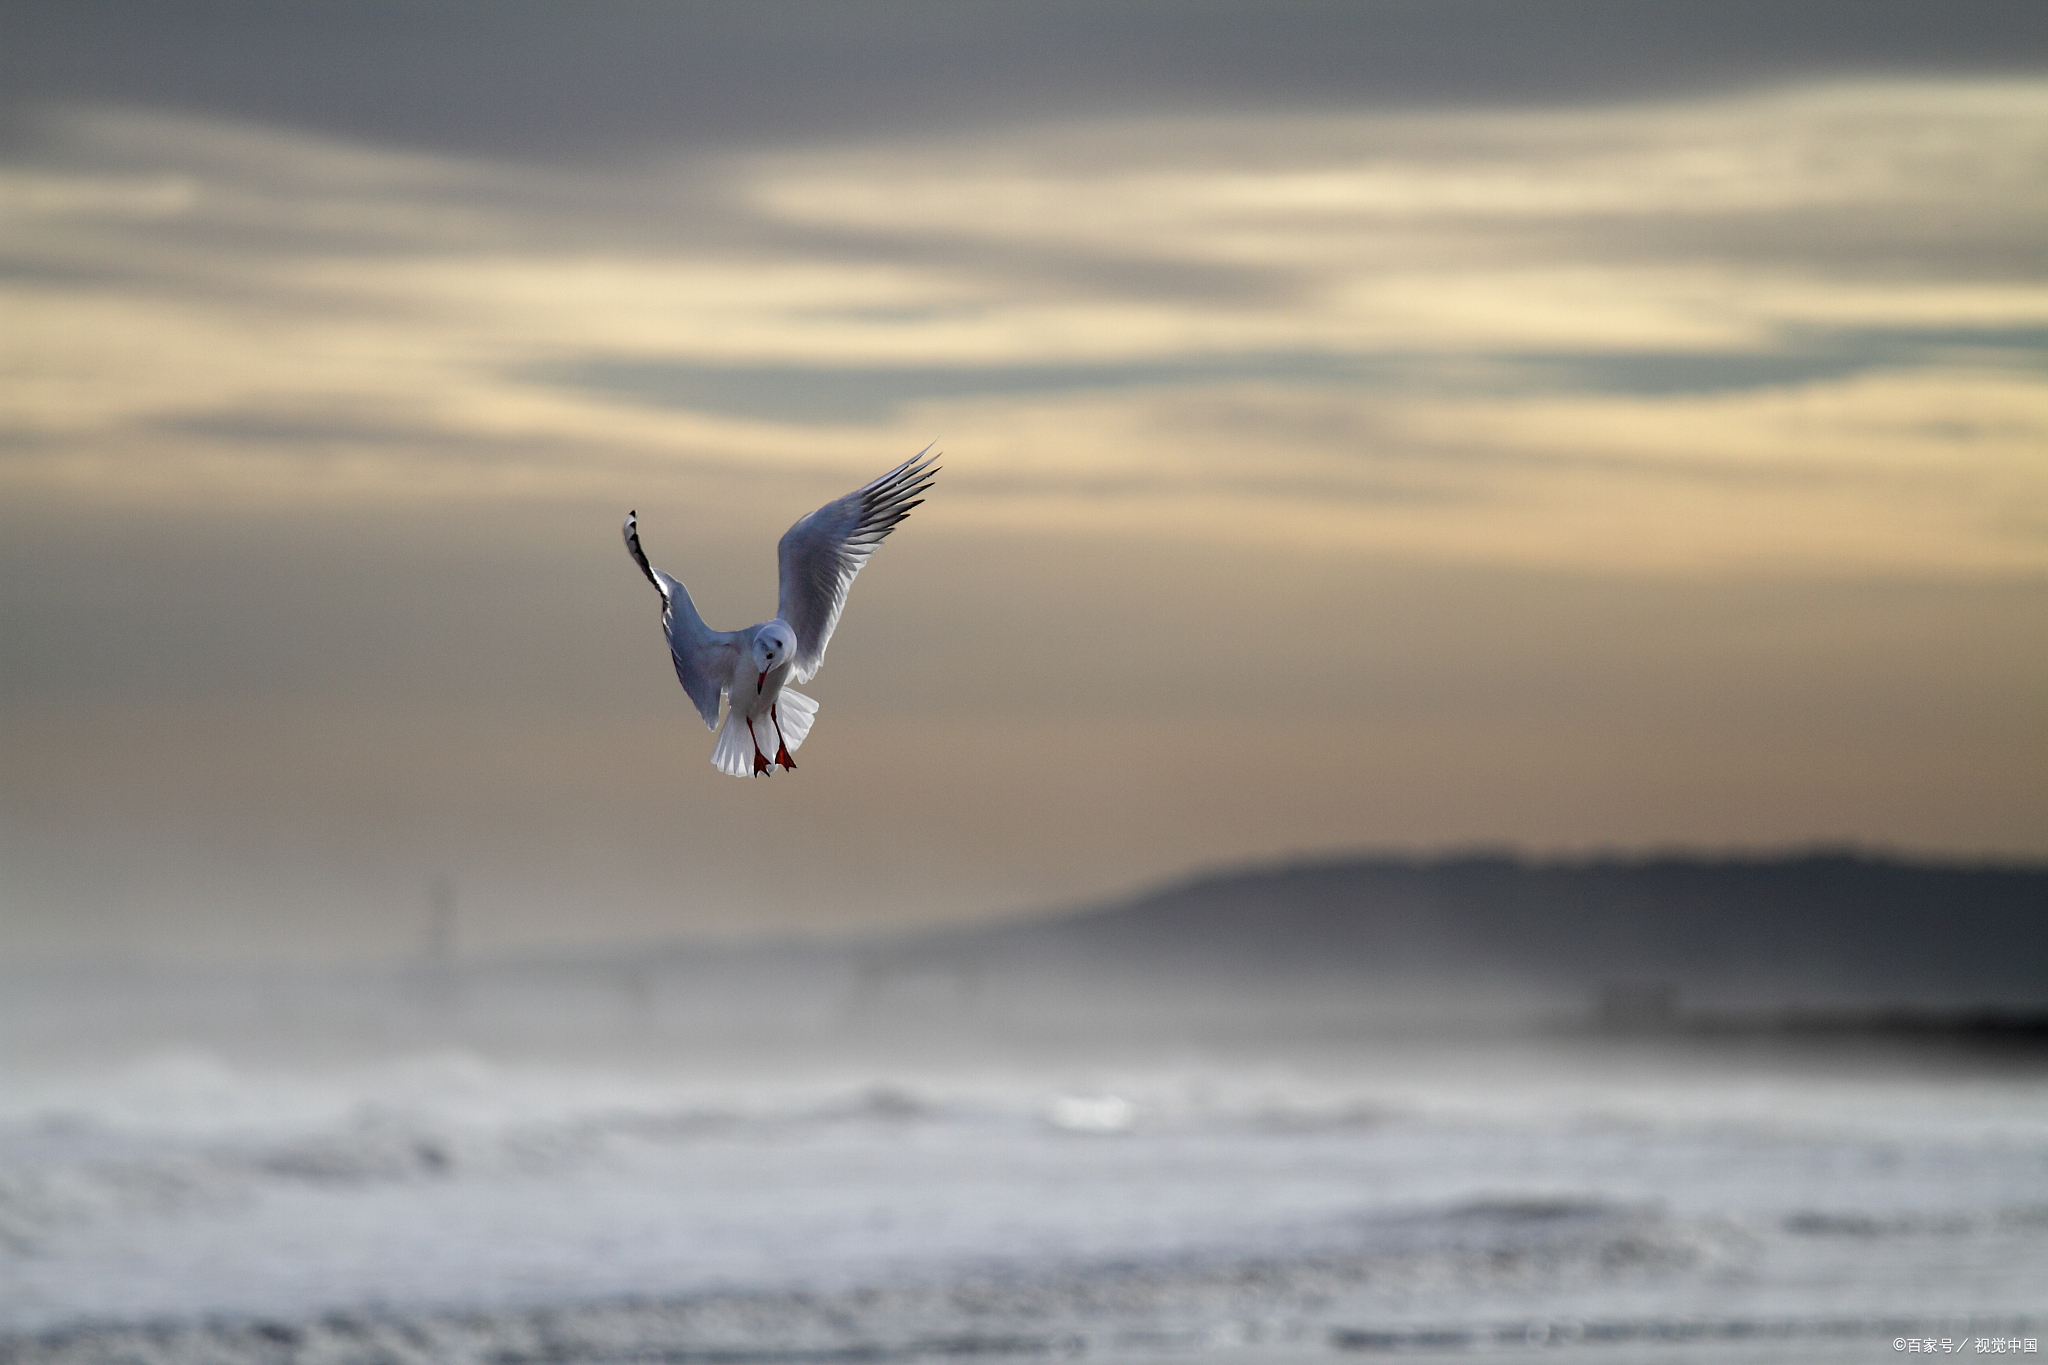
point(1565, 426)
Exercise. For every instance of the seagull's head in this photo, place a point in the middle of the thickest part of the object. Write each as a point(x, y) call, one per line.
point(774, 646)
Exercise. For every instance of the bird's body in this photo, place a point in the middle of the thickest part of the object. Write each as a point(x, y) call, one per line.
point(765, 721)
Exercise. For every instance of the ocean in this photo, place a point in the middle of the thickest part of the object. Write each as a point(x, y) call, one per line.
point(228, 1190)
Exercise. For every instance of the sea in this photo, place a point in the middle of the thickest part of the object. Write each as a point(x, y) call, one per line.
point(271, 1178)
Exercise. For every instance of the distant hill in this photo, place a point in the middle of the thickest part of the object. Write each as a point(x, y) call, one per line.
point(1816, 927)
point(1806, 944)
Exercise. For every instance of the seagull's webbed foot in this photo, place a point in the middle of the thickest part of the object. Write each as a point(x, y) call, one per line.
point(760, 759)
point(781, 745)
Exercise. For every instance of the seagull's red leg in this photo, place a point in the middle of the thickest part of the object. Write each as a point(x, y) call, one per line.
point(781, 746)
point(760, 760)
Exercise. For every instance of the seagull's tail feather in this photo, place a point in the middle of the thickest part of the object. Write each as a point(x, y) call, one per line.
point(794, 713)
point(737, 743)
point(734, 752)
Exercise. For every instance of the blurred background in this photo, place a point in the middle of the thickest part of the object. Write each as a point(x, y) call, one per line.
point(1566, 425)
point(1612, 437)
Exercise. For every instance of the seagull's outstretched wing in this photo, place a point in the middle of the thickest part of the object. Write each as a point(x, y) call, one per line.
point(704, 657)
point(820, 554)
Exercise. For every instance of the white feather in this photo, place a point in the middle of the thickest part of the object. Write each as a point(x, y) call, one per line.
point(794, 713)
point(734, 752)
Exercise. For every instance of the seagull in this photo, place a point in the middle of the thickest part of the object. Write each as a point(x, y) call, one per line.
point(818, 557)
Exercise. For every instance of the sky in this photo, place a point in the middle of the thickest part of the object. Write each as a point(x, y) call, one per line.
point(1561, 426)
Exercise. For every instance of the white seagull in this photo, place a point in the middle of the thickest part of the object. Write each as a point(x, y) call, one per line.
point(819, 557)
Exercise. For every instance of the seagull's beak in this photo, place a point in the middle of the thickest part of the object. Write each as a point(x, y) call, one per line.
point(762, 681)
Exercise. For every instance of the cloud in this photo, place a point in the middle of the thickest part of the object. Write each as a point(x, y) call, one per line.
point(874, 394)
point(1537, 323)
point(614, 78)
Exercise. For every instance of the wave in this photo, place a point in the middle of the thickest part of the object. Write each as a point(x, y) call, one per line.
point(488, 1209)
point(968, 1319)
point(1944, 1223)
point(1567, 1331)
point(993, 1307)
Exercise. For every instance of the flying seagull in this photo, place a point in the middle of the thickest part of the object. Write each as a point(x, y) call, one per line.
point(818, 557)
